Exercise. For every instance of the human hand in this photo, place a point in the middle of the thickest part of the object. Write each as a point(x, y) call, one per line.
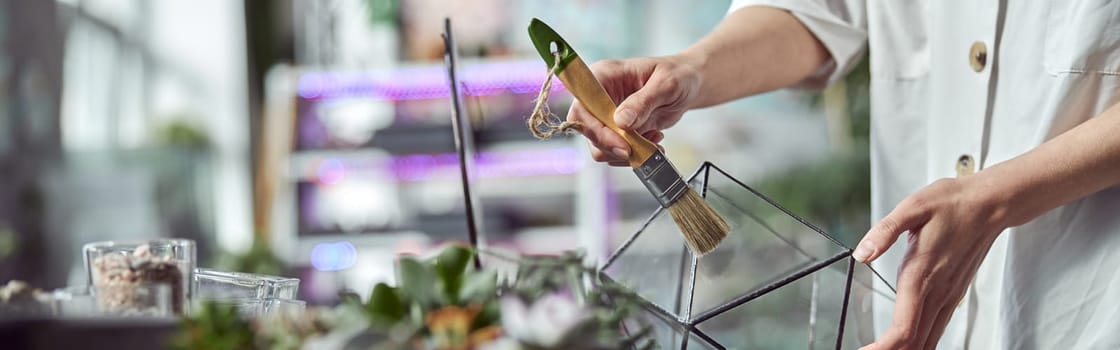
point(952, 224)
point(654, 94)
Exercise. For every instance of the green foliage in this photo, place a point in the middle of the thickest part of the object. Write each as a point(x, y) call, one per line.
point(9, 241)
point(491, 314)
point(466, 300)
point(221, 326)
point(858, 83)
point(416, 281)
point(835, 193)
point(214, 327)
point(259, 259)
point(180, 133)
point(478, 287)
point(383, 11)
point(541, 275)
point(386, 307)
point(450, 266)
point(426, 285)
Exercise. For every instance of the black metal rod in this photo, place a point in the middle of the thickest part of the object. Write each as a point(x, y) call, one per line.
point(881, 279)
point(462, 129)
point(844, 307)
point(705, 337)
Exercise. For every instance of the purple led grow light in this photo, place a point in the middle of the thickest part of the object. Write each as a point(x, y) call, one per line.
point(420, 167)
point(416, 83)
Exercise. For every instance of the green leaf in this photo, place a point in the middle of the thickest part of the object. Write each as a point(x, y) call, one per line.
point(417, 281)
point(490, 315)
point(450, 265)
point(479, 286)
point(385, 306)
point(453, 260)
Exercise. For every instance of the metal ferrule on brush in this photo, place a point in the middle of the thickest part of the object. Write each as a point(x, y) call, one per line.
point(661, 179)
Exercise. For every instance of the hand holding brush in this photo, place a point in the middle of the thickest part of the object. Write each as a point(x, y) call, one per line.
point(702, 227)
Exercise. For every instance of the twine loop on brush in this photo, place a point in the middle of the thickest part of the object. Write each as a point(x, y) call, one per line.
point(543, 124)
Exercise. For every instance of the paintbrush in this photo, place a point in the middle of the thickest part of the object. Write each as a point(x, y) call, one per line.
point(702, 227)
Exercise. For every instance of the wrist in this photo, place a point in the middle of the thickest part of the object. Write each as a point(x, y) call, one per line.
point(692, 58)
point(691, 63)
point(996, 198)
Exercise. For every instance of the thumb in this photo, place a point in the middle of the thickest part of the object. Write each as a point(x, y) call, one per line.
point(886, 232)
point(636, 109)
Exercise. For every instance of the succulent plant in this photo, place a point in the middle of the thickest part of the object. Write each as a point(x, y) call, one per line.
point(554, 302)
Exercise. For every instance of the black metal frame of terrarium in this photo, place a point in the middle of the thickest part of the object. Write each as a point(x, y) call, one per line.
point(776, 281)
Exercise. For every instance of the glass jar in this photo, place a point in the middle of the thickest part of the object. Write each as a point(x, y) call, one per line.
point(212, 284)
point(283, 306)
point(76, 302)
point(119, 271)
point(141, 300)
point(257, 308)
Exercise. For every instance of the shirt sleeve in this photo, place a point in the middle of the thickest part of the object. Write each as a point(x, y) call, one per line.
point(840, 25)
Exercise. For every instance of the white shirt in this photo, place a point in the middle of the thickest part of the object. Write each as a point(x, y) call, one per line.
point(1053, 283)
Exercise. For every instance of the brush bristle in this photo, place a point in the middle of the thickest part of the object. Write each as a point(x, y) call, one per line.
point(701, 225)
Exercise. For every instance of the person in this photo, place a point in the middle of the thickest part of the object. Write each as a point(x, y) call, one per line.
point(995, 138)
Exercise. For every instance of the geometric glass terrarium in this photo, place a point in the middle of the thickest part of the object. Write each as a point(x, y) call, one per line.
point(775, 282)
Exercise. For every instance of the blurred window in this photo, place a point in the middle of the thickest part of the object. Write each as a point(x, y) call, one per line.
point(133, 68)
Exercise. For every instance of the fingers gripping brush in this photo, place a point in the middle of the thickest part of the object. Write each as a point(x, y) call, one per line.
point(702, 227)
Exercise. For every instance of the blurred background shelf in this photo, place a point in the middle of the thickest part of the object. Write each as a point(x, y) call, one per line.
point(93, 334)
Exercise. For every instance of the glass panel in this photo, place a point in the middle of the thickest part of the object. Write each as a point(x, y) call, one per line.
point(827, 304)
point(667, 333)
point(655, 265)
point(808, 311)
point(765, 244)
point(802, 314)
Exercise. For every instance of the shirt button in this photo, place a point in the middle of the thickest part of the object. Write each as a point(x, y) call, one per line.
point(965, 165)
point(978, 56)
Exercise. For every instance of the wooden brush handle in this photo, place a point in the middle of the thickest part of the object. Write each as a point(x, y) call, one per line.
point(579, 81)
